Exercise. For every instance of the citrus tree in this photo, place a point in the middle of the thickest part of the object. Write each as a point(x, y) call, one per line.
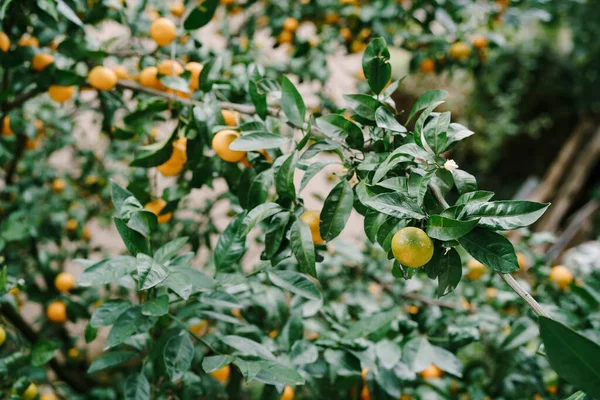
point(298, 322)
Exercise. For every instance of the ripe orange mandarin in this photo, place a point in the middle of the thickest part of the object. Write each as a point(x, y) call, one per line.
point(221, 142)
point(195, 68)
point(41, 61)
point(155, 207)
point(102, 78)
point(222, 375)
point(64, 282)
point(313, 219)
point(163, 31)
point(61, 94)
point(57, 311)
point(412, 247)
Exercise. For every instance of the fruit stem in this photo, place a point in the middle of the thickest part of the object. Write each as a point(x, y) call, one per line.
point(508, 278)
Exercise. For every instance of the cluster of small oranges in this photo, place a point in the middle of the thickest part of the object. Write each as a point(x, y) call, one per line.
point(458, 51)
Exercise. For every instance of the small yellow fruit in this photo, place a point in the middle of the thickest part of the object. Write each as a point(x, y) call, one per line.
point(57, 311)
point(174, 165)
point(163, 31)
point(73, 352)
point(6, 129)
point(61, 94)
point(155, 207)
point(479, 42)
point(412, 247)
point(195, 68)
point(476, 269)
point(231, 118)
point(222, 375)
point(149, 79)
point(2, 335)
point(221, 142)
point(102, 78)
point(200, 328)
point(460, 51)
point(288, 393)
point(522, 260)
point(273, 334)
point(64, 282)
point(30, 393)
point(120, 71)
point(72, 224)
point(412, 309)
point(48, 396)
point(285, 37)
point(313, 219)
point(552, 389)
point(41, 61)
point(4, 42)
point(427, 66)
point(562, 276)
point(59, 185)
point(331, 18)
point(28, 41)
point(491, 293)
point(346, 34)
point(290, 24)
point(431, 372)
point(170, 67)
point(178, 9)
point(86, 234)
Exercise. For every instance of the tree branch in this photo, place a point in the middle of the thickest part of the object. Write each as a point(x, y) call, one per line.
point(242, 108)
point(508, 278)
point(20, 150)
point(79, 383)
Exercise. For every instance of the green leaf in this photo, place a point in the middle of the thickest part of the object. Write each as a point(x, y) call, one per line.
point(464, 181)
point(175, 83)
point(579, 395)
point(386, 120)
point(269, 372)
point(156, 307)
point(373, 222)
point(210, 73)
point(214, 363)
point(395, 204)
point(201, 15)
point(417, 184)
point(118, 195)
point(248, 347)
point(170, 249)
point(43, 351)
point(258, 141)
point(150, 273)
point(186, 281)
point(447, 361)
point(90, 333)
point(491, 249)
point(108, 312)
point(107, 271)
point(303, 247)
point(231, 245)
point(275, 233)
point(258, 214)
point(110, 359)
point(456, 133)
point(178, 354)
point(472, 197)
point(449, 273)
point(371, 324)
point(68, 13)
point(296, 283)
point(259, 99)
point(426, 100)
point(292, 103)
point(435, 131)
point(338, 126)
point(575, 357)
point(336, 210)
point(154, 154)
point(135, 242)
point(311, 171)
point(376, 65)
point(363, 105)
point(506, 215)
point(284, 178)
point(418, 354)
point(143, 221)
point(127, 324)
point(137, 387)
point(443, 228)
point(303, 353)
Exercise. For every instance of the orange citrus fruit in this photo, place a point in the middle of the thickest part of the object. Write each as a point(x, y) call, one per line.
point(476, 269)
point(41, 61)
point(155, 207)
point(200, 328)
point(57, 311)
point(174, 165)
point(290, 24)
point(427, 66)
point(460, 51)
point(120, 71)
point(412, 247)
point(170, 68)
point(221, 142)
point(231, 118)
point(431, 372)
point(4, 42)
point(163, 31)
point(149, 79)
point(61, 94)
point(561, 275)
point(102, 78)
point(64, 282)
point(222, 375)
point(178, 9)
point(288, 393)
point(195, 68)
point(28, 41)
point(479, 42)
point(6, 129)
point(313, 219)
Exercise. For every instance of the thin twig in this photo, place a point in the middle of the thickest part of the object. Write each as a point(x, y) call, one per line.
point(508, 278)
point(242, 108)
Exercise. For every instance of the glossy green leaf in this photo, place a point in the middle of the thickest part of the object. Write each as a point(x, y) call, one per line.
point(213, 363)
point(275, 233)
point(137, 387)
point(575, 357)
point(107, 271)
point(363, 105)
point(418, 354)
point(371, 324)
point(269, 372)
point(135, 242)
point(248, 347)
point(386, 120)
point(170, 249)
point(449, 273)
point(284, 177)
point(426, 100)
point(395, 204)
point(296, 283)
point(336, 210)
point(258, 141)
point(108, 312)
point(491, 249)
point(473, 197)
point(231, 245)
point(150, 273)
point(43, 351)
point(258, 214)
point(201, 15)
point(505, 215)
point(376, 65)
point(292, 103)
point(156, 307)
point(443, 228)
point(464, 181)
point(178, 354)
point(303, 247)
point(338, 126)
point(110, 359)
